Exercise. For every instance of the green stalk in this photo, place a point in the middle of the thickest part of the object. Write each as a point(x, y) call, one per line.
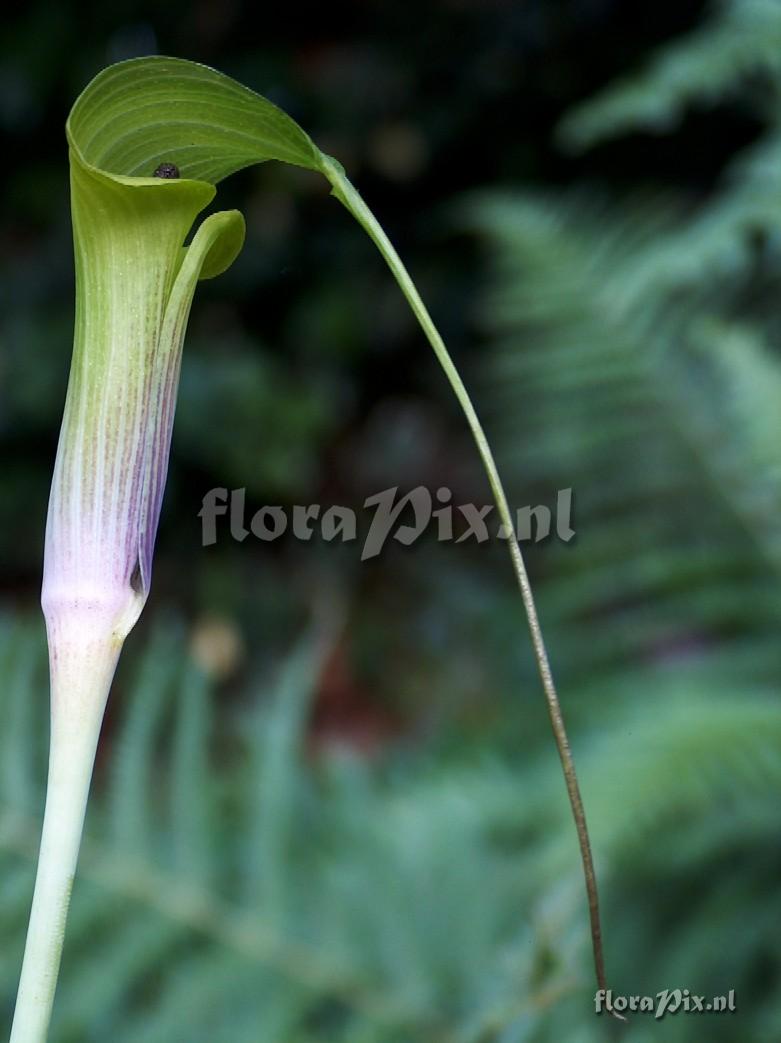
point(80, 687)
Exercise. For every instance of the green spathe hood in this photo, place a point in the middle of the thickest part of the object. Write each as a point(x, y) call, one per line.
point(134, 286)
point(137, 112)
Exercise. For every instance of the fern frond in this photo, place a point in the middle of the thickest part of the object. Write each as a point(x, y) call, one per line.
point(741, 39)
point(584, 383)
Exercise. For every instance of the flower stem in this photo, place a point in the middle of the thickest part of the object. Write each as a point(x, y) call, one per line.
point(82, 667)
point(351, 199)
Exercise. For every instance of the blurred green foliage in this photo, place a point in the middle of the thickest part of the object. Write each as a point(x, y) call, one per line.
point(239, 883)
point(377, 846)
